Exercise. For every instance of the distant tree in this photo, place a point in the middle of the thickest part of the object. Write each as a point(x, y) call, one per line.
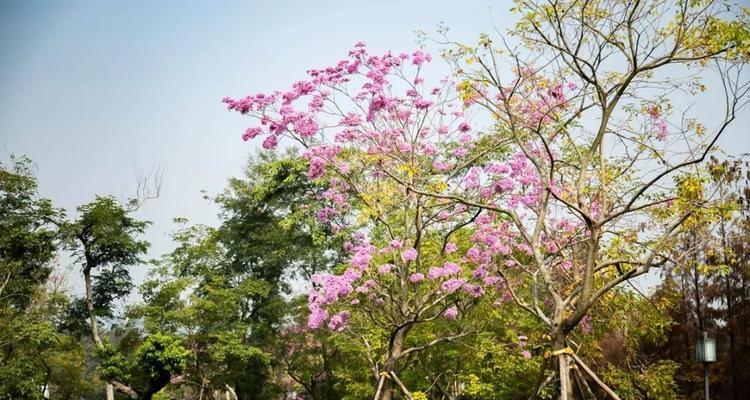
point(223, 289)
point(709, 282)
point(34, 356)
point(28, 241)
point(729, 266)
point(105, 241)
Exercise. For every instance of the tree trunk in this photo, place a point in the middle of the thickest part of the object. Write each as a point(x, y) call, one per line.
point(90, 307)
point(394, 354)
point(559, 344)
point(110, 391)
point(386, 391)
point(731, 326)
point(112, 384)
point(92, 323)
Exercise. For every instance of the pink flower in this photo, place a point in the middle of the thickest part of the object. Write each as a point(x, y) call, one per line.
point(351, 119)
point(385, 268)
point(451, 313)
point(526, 354)
point(316, 168)
point(491, 280)
point(419, 58)
point(460, 151)
point(317, 316)
point(662, 130)
point(473, 290)
point(365, 287)
point(479, 273)
point(498, 169)
point(525, 248)
point(450, 247)
point(325, 214)
point(586, 324)
point(362, 256)
point(404, 147)
point(429, 149)
point(464, 127)
point(474, 254)
point(416, 277)
point(434, 273)
point(450, 268)
point(270, 142)
point(395, 244)
point(338, 321)
point(422, 103)
point(441, 166)
point(251, 133)
point(451, 285)
point(409, 255)
point(306, 126)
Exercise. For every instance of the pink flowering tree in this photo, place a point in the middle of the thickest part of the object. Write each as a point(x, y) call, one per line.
point(363, 123)
point(578, 182)
point(606, 150)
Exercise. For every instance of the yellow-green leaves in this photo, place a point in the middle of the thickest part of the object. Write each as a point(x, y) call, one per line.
point(466, 91)
point(419, 396)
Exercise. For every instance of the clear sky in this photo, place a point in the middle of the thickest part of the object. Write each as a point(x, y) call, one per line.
point(91, 89)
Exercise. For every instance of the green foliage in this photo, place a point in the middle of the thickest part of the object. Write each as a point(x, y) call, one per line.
point(490, 364)
point(27, 242)
point(159, 358)
point(32, 351)
point(216, 313)
point(222, 289)
point(112, 363)
point(653, 382)
point(105, 234)
point(104, 240)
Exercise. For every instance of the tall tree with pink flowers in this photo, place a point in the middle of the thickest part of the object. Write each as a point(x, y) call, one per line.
point(405, 269)
point(578, 181)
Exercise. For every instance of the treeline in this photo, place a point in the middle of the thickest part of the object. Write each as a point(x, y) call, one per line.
point(224, 314)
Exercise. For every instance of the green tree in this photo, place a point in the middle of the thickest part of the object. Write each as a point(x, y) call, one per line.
point(708, 280)
point(104, 240)
point(223, 289)
point(34, 357)
point(27, 243)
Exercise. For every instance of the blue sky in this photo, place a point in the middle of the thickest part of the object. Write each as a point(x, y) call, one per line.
point(91, 89)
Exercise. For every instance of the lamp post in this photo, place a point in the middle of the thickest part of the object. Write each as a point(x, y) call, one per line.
point(705, 352)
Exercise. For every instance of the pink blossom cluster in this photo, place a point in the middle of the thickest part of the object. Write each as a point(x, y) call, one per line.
point(374, 118)
point(405, 128)
point(539, 101)
point(365, 277)
point(338, 321)
point(336, 200)
point(451, 313)
point(658, 121)
point(586, 325)
point(448, 268)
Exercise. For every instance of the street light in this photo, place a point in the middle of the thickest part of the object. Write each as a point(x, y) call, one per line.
point(705, 352)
